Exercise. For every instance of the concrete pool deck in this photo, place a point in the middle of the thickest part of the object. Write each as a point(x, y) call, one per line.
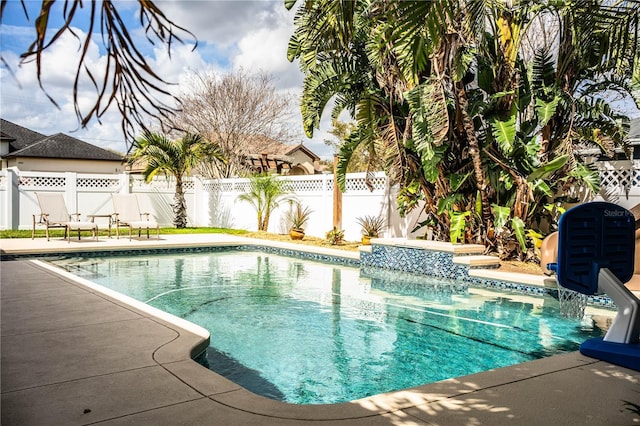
point(71, 354)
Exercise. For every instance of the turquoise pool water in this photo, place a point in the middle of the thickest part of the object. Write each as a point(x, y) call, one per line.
point(308, 332)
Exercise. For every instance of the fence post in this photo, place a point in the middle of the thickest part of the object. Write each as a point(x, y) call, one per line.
point(125, 186)
point(327, 200)
point(12, 199)
point(71, 191)
point(198, 194)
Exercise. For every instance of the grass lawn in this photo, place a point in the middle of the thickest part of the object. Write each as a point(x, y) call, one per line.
point(308, 240)
point(59, 233)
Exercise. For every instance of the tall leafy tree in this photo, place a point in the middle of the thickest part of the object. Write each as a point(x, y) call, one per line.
point(468, 124)
point(174, 158)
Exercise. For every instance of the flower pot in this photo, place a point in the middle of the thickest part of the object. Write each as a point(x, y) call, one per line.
point(366, 240)
point(296, 234)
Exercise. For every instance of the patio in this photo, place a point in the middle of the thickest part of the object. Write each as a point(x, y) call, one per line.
point(72, 354)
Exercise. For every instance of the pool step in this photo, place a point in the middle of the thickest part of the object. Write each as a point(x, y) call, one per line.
point(456, 249)
point(474, 261)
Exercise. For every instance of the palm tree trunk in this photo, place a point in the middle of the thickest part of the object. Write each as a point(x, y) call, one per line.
point(265, 221)
point(474, 152)
point(179, 206)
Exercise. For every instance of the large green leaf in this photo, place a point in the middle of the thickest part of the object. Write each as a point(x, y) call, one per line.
point(456, 180)
point(344, 156)
point(504, 132)
point(500, 215)
point(540, 185)
point(458, 225)
point(546, 169)
point(546, 110)
point(589, 177)
point(519, 229)
point(446, 203)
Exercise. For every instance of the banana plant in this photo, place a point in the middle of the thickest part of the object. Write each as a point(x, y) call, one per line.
point(458, 226)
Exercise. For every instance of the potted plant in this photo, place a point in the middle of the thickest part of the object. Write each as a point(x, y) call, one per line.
point(372, 226)
point(298, 217)
point(335, 236)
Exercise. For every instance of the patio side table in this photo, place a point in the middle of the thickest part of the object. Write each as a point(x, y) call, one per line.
point(109, 218)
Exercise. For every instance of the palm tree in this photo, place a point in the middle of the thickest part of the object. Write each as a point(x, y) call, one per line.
point(445, 85)
point(265, 194)
point(174, 158)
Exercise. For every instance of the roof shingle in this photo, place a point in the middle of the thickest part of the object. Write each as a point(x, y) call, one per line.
point(26, 143)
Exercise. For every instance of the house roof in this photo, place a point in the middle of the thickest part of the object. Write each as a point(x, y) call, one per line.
point(259, 145)
point(263, 154)
point(26, 143)
point(301, 147)
point(19, 137)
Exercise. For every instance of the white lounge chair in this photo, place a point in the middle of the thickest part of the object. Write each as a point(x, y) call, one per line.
point(127, 214)
point(54, 214)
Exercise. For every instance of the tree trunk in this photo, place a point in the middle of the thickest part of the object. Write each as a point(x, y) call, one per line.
point(265, 221)
point(179, 206)
point(476, 158)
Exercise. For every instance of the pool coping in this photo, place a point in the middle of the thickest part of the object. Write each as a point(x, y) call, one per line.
point(426, 403)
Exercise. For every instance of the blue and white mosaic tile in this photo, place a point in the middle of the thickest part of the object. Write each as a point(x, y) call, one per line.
point(440, 264)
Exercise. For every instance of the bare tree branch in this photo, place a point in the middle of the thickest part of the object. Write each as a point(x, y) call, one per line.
point(128, 80)
point(235, 112)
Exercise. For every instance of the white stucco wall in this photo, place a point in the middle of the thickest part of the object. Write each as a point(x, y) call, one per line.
point(28, 164)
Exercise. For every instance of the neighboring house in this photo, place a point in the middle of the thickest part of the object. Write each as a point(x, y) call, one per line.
point(32, 151)
point(271, 156)
point(265, 155)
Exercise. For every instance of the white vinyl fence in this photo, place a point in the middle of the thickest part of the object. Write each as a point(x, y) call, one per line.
point(215, 203)
point(209, 203)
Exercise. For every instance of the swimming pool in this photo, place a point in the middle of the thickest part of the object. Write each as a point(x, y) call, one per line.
point(309, 332)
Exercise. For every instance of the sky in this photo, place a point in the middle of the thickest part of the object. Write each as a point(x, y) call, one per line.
point(231, 34)
point(251, 35)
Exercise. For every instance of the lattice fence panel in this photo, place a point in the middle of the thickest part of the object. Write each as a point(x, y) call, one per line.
point(42, 182)
point(315, 185)
point(242, 186)
point(99, 184)
point(617, 178)
point(161, 183)
point(158, 183)
point(359, 184)
point(225, 186)
point(211, 187)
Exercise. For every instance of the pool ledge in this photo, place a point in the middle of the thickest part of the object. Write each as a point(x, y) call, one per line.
point(515, 277)
point(430, 245)
point(148, 378)
point(76, 354)
point(202, 335)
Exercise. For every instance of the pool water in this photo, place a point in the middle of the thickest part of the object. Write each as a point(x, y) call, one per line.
point(309, 333)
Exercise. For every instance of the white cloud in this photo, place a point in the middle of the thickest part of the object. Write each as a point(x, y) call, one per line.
point(223, 22)
point(232, 34)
